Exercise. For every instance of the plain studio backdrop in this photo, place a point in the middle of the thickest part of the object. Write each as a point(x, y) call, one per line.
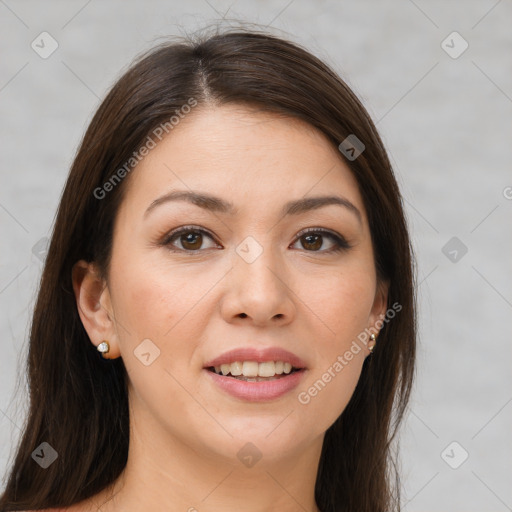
point(435, 76)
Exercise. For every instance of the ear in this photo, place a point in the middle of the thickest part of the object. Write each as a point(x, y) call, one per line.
point(379, 308)
point(94, 306)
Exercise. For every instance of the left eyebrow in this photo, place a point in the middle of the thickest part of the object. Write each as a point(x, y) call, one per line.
point(217, 204)
point(312, 203)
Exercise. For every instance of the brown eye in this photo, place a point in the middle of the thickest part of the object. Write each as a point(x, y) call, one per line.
point(313, 240)
point(191, 240)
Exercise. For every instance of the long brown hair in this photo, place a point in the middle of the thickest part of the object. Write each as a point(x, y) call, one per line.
point(79, 402)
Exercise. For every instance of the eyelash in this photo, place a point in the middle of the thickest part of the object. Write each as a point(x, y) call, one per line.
point(340, 243)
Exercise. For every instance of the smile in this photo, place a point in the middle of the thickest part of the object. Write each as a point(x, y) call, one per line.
point(252, 371)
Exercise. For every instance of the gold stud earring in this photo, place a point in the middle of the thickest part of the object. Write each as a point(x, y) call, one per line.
point(104, 348)
point(373, 338)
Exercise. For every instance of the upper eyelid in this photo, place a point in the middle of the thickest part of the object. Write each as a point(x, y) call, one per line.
point(184, 229)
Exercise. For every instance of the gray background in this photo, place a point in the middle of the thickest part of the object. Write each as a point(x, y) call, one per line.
point(446, 124)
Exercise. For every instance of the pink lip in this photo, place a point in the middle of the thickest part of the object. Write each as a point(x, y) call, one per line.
point(258, 355)
point(257, 391)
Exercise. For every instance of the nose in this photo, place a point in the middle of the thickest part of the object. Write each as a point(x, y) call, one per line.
point(258, 291)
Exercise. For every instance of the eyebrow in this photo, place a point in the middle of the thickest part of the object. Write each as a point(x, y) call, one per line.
point(216, 204)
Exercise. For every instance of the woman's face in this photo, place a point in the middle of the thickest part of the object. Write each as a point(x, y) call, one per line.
point(241, 277)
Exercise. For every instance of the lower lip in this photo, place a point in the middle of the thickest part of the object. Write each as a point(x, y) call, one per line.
point(257, 391)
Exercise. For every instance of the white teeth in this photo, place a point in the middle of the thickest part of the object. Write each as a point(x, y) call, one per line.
point(250, 369)
point(254, 369)
point(267, 369)
point(236, 368)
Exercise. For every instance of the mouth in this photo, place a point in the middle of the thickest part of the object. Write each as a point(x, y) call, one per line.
point(252, 381)
point(256, 374)
point(253, 371)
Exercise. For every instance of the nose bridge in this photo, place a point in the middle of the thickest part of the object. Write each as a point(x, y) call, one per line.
point(256, 261)
point(258, 279)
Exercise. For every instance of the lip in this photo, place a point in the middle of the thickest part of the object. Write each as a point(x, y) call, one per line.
point(257, 391)
point(258, 355)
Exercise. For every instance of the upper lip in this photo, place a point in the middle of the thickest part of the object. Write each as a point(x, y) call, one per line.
point(260, 355)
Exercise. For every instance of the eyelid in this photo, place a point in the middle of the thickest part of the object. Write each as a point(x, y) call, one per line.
point(166, 239)
point(340, 241)
point(318, 230)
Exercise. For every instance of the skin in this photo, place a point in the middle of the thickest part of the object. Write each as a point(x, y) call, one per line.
point(185, 431)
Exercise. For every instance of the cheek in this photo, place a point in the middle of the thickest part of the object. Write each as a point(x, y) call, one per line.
point(152, 297)
point(146, 302)
point(167, 304)
point(157, 304)
point(343, 301)
point(327, 392)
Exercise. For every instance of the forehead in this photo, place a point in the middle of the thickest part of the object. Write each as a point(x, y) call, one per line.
point(244, 155)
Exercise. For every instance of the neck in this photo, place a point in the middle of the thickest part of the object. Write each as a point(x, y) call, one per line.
point(162, 473)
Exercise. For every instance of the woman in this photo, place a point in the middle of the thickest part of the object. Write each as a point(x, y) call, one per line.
point(226, 315)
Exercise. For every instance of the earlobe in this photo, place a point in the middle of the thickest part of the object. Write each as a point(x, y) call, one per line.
point(94, 306)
